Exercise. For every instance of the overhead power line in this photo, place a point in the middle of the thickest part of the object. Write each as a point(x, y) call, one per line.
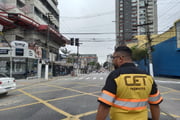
point(89, 16)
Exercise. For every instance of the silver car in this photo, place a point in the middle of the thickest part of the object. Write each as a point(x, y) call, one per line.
point(6, 83)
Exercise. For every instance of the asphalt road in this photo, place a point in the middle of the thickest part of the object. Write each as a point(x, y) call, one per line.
point(62, 98)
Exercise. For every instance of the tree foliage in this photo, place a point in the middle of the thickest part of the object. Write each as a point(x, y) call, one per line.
point(65, 51)
point(139, 53)
point(105, 65)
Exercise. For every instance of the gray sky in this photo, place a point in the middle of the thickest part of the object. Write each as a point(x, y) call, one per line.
point(97, 16)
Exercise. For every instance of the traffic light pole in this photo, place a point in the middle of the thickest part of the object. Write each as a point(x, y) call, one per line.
point(76, 44)
point(77, 59)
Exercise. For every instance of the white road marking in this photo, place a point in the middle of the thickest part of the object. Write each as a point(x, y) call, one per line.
point(164, 81)
point(101, 78)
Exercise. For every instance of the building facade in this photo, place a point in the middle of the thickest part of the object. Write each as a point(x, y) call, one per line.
point(166, 53)
point(133, 17)
point(35, 22)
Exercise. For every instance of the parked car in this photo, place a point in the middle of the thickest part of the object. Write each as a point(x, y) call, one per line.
point(6, 83)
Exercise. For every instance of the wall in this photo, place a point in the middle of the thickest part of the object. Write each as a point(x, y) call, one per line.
point(166, 58)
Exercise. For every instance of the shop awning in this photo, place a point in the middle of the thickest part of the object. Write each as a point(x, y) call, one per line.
point(11, 20)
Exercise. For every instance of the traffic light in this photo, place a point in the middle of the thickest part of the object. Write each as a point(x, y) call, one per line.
point(77, 41)
point(72, 41)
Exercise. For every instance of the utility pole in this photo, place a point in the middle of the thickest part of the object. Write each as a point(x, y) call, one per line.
point(149, 40)
point(47, 50)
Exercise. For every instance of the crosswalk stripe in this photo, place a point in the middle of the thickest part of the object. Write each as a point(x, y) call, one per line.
point(161, 81)
point(87, 78)
point(101, 78)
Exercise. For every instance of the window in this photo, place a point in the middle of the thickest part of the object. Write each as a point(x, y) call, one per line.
point(5, 66)
point(20, 4)
point(133, 0)
point(19, 65)
point(19, 52)
point(38, 12)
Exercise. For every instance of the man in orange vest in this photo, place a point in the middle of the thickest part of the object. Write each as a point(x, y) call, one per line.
point(128, 90)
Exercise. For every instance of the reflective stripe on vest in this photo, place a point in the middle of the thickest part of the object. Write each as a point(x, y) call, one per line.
point(107, 97)
point(131, 104)
point(155, 98)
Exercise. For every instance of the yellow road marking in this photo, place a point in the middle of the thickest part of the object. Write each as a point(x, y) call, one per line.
point(47, 104)
point(65, 97)
point(170, 89)
point(20, 106)
point(170, 114)
point(71, 118)
point(61, 98)
point(86, 114)
point(176, 116)
point(175, 98)
point(45, 91)
point(166, 92)
point(72, 90)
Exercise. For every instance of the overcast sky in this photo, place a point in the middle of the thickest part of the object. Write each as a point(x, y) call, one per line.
point(91, 17)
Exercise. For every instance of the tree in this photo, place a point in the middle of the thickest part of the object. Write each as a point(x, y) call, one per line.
point(139, 53)
point(65, 51)
point(98, 66)
point(105, 65)
point(71, 58)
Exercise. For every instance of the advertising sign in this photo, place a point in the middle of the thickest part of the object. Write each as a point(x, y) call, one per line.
point(4, 51)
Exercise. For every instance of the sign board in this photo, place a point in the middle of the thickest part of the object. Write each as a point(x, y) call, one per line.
point(19, 44)
point(4, 51)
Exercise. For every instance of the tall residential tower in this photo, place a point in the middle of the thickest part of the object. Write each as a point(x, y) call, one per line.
point(132, 18)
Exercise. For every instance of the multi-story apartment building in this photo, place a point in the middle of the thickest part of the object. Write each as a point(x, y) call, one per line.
point(132, 18)
point(35, 25)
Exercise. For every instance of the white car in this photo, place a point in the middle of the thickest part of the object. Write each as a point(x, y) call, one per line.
point(6, 84)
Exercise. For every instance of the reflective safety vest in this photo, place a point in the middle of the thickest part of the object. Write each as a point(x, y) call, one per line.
point(132, 96)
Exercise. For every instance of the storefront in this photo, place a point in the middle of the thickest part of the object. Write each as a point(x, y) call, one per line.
point(18, 61)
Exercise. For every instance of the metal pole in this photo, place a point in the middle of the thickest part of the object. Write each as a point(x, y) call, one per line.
point(149, 42)
point(47, 50)
point(77, 59)
point(11, 50)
